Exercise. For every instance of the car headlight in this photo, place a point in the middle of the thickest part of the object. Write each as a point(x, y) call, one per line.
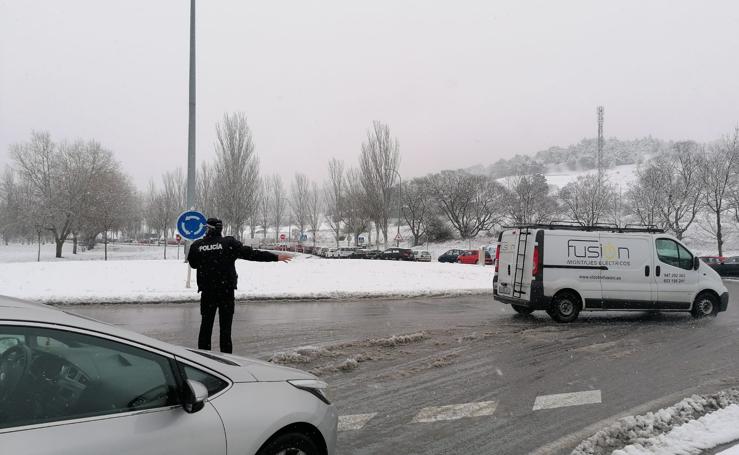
point(313, 386)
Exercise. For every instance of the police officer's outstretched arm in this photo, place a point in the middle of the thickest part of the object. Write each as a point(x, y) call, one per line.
point(250, 254)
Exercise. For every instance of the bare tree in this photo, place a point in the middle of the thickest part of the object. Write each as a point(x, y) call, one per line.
point(471, 203)
point(299, 193)
point(60, 178)
point(681, 187)
point(173, 202)
point(357, 211)
point(645, 196)
point(279, 203)
point(265, 206)
point(719, 167)
point(237, 172)
point(315, 207)
point(112, 204)
point(416, 207)
point(587, 199)
point(156, 215)
point(528, 200)
point(11, 211)
point(378, 163)
point(334, 193)
point(207, 196)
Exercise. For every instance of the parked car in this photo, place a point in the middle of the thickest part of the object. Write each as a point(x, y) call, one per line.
point(473, 257)
point(374, 254)
point(344, 252)
point(359, 253)
point(330, 253)
point(727, 267)
point(450, 256)
point(713, 260)
point(72, 385)
point(398, 254)
point(421, 256)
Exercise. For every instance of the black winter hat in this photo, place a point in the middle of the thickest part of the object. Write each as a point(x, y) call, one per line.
point(215, 223)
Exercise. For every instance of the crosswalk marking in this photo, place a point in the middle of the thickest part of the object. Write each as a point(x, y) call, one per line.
point(455, 411)
point(561, 400)
point(354, 422)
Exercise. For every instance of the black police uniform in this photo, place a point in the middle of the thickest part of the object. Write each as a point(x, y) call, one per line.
point(214, 257)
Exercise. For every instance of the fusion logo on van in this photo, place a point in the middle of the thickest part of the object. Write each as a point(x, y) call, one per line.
point(592, 252)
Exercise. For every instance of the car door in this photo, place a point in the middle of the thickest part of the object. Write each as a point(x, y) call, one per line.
point(627, 279)
point(65, 392)
point(674, 275)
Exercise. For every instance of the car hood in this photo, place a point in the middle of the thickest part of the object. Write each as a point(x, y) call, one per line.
point(250, 370)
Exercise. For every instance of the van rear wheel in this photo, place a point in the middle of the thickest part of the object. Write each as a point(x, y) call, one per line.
point(522, 309)
point(705, 305)
point(565, 307)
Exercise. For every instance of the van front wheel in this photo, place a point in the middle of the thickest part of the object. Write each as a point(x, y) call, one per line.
point(705, 304)
point(565, 307)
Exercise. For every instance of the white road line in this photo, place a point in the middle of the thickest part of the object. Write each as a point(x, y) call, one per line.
point(455, 411)
point(561, 400)
point(354, 422)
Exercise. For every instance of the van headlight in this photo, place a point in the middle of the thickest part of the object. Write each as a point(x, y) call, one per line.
point(313, 386)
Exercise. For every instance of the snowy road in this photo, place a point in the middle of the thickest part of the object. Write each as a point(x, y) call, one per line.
point(471, 377)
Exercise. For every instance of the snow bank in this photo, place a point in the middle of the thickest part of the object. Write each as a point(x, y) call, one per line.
point(633, 431)
point(730, 451)
point(141, 281)
point(709, 431)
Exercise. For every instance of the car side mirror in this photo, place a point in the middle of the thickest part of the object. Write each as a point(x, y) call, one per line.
point(197, 393)
point(696, 263)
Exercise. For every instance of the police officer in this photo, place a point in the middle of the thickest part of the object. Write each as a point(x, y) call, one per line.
point(214, 257)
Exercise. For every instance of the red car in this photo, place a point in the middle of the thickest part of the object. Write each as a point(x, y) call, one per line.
point(473, 256)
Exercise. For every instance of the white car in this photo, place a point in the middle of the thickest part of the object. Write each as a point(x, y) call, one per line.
point(421, 256)
point(73, 386)
point(344, 252)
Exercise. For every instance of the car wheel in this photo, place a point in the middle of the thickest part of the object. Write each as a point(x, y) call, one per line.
point(565, 307)
point(522, 309)
point(290, 444)
point(705, 304)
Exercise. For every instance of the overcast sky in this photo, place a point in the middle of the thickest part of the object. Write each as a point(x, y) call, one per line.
point(459, 82)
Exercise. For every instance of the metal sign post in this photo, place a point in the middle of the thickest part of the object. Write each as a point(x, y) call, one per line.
point(191, 226)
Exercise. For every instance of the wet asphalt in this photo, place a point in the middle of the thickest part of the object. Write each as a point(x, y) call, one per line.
point(472, 350)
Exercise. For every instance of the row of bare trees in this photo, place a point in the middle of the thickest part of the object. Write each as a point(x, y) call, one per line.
point(76, 190)
point(64, 190)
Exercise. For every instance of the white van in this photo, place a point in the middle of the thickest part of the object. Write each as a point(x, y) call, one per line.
point(565, 269)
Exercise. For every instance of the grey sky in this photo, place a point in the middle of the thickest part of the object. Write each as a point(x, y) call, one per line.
point(459, 82)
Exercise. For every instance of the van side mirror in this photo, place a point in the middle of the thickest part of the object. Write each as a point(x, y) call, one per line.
point(195, 396)
point(696, 262)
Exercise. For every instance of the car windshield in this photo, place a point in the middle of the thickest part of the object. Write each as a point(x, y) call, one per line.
point(385, 227)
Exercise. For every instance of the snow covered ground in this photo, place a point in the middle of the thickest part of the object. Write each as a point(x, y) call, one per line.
point(304, 278)
point(16, 252)
point(623, 175)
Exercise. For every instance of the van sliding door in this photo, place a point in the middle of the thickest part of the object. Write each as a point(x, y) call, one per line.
point(627, 279)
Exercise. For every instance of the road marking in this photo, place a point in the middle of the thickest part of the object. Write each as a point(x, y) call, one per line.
point(354, 422)
point(455, 411)
point(561, 400)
